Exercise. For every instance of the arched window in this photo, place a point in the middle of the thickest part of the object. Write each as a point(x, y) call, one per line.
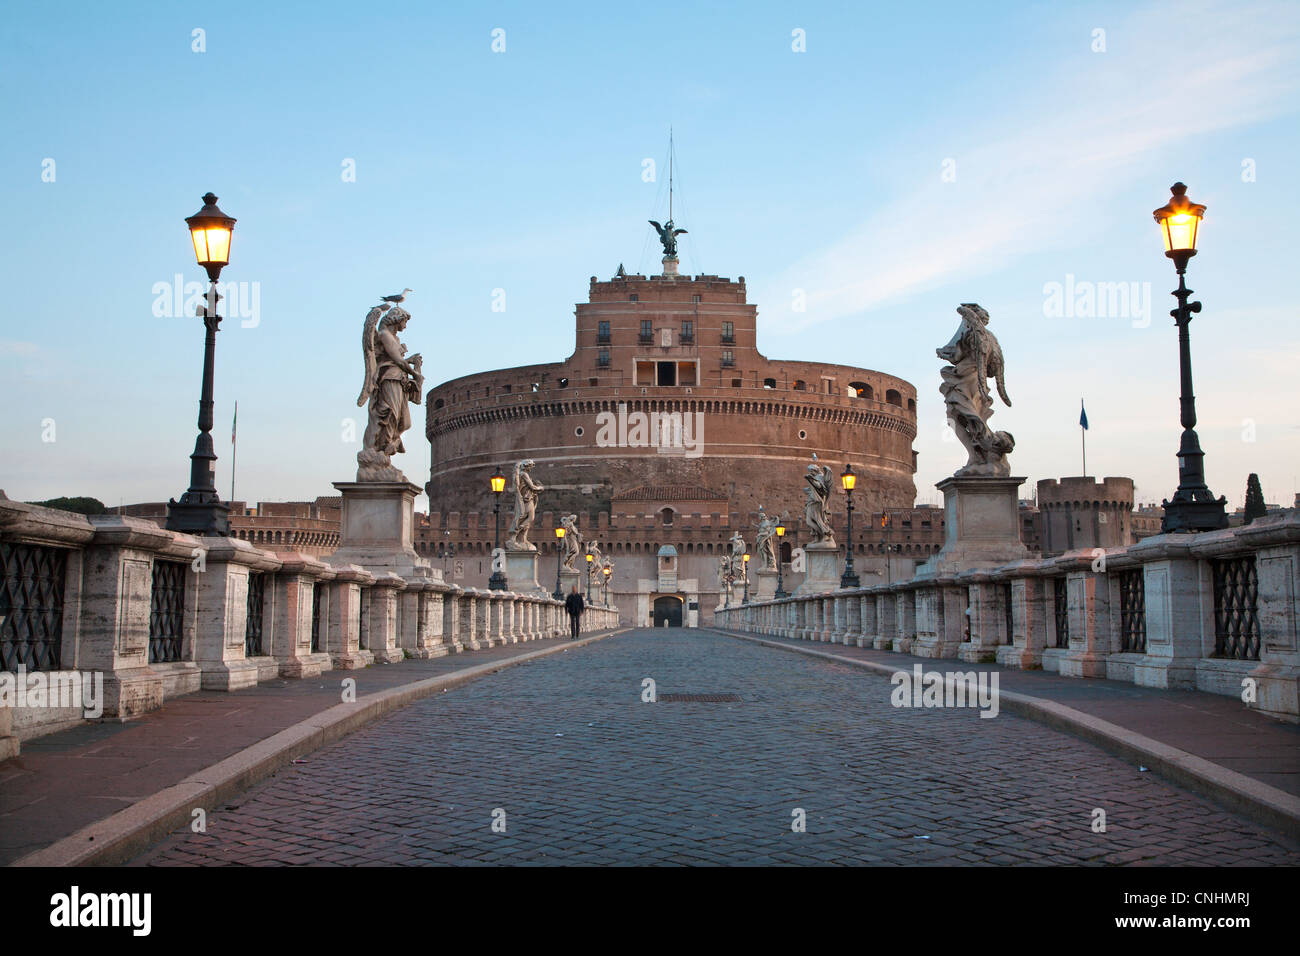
point(438, 404)
point(893, 397)
point(800, 385)
point(667, 514)
point(769, 383)
point(911, 404)
point(860, 390)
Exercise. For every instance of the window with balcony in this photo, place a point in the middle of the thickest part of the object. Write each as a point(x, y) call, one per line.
point(602, 331)
point(602, 358)
point(728, 332)
point(728, 358)
point(647, 332)
point(688, 330)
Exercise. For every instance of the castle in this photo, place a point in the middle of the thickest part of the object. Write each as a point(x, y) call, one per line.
point(665, 432)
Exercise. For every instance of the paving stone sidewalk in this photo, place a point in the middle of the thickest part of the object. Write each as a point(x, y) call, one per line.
point(564, 754)
point(1217, 728)
point(65, 781)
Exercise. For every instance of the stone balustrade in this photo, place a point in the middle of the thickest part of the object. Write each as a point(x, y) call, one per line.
point(158, 613)
point(1215, 612)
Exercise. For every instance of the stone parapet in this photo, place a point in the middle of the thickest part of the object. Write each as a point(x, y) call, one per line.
point(1218, 612)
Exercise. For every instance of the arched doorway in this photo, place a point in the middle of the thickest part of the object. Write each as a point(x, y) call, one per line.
point(669, 610)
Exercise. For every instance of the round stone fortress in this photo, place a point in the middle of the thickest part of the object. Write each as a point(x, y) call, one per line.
point(666, 388)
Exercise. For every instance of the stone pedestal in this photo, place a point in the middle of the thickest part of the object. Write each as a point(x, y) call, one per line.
point(8, 740)
point(823, 570)
point(670, 265)
point(377, 528)
point(383, 630)
point(763, 588)
point(981, 525)
point(521, 573)
point(567, 581)
point(344, 640)
point(1028, 625)
point(222, 613)
point(1177, 617)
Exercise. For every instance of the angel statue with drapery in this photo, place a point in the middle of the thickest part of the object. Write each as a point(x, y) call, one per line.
point(817, 513)
point(526, 491)
point(572, 542)
point(393, 382)
point(765, 543)
point(976, 357)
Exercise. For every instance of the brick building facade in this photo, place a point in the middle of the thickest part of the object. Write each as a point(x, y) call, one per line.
point(667, 427)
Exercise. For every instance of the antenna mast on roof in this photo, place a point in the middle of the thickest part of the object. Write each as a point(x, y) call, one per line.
point(670, 174)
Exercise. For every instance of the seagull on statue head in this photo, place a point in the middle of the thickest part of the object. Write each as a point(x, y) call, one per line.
point(396, 299)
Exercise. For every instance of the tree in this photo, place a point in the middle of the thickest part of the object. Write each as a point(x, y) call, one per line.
point(1254, 500)
point(81, 506)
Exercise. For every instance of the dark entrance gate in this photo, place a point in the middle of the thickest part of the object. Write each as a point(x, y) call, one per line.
point(668, 609)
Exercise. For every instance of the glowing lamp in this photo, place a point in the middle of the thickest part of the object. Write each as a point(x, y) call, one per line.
point(1179, 222)
point(848, 479)
point(210, 230)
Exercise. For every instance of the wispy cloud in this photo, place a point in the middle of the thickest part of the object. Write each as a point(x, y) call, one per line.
point(1009, 191)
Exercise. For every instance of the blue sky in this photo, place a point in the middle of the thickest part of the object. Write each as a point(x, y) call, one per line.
point(911, 158)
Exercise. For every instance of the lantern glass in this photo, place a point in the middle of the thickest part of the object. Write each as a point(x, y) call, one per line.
point(849, 480)
point(211, 245)
point(1180, 221)
point(1180, 232)
point(559, 532)
point(210, 231)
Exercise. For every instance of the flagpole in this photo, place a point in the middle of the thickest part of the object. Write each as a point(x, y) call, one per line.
point(1083, 438)
point(234, 448)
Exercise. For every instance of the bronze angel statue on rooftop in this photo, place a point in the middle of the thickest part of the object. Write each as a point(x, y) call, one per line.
point(392, 383)
point(668, 236)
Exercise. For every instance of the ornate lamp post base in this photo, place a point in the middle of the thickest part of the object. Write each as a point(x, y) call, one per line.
point(199, 513)
point(1194, 516)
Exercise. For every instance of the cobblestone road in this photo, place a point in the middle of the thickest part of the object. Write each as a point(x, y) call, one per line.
point(586, 773)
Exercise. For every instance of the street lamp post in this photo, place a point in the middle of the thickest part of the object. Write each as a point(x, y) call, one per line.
point(591, 560)
point(745, 599)
point(1193, 506)
point(201, 510)
point(780, 577)
point(885, 522)
point(447, 550)
point(497, 582)
point(849, 480)
point(604, 599)
point(559, 553)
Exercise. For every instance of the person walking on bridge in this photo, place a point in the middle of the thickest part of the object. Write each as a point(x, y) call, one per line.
point(575, 606)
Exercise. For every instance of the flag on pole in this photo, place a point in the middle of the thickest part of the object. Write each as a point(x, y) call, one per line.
point(235, 423)
point(1083, 416)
